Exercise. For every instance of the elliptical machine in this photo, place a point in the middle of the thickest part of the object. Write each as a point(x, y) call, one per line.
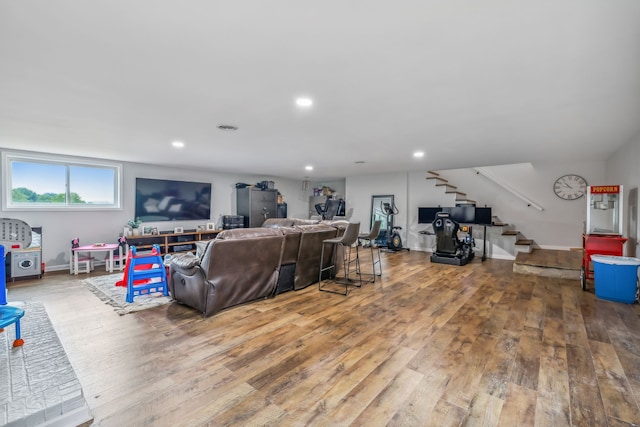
point(394, 241)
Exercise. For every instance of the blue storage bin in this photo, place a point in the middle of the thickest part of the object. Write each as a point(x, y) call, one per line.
point(616, 277)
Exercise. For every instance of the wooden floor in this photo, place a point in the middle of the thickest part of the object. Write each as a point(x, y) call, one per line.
point(428, 345)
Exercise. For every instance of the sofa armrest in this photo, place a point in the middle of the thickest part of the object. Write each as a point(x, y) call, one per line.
point(185, 262)
point(187, 282)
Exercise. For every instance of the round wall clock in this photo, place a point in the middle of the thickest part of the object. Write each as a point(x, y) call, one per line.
point(570, 187)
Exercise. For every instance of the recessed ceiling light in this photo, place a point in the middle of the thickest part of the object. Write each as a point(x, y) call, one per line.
point(418, 154)
point(178, 144)
point(304, 102)
point(308, 168)
point(227, 127)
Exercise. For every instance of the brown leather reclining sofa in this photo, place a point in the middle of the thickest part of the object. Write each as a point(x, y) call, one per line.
point(303, 247)
point(238, 266)
point(245, 264)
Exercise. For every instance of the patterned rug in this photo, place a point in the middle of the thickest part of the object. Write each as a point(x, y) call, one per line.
point(104, 287)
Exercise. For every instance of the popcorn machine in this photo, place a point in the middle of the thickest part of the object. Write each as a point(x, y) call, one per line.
point(603, 230)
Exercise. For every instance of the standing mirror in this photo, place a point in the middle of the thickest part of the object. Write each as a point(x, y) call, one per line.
point(377, 213)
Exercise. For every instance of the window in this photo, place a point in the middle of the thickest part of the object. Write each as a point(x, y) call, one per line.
point(49, 182)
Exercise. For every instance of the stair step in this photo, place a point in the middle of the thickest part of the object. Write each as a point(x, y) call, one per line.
point(549, 263)
point(437, 178)
point(433, 173)
point(459, 193)
point(523, 249)
point(510, 233)
point(500, 224)
point(551, 259)
point(466, 202)
point(445, 184)
point(524, 242)
point(147, 274)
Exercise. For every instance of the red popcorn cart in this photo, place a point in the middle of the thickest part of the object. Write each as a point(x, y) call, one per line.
point(603, 231)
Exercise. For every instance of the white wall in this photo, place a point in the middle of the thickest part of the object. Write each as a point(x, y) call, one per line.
point(423, 193)
point(105, 226)
point(359, 190)
point(559, 225)
point(337, 186)
point(623, 168)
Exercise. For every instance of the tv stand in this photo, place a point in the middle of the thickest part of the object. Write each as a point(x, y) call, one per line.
point(170, 242)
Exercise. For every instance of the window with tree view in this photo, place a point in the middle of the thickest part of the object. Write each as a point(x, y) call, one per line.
point(47, 183)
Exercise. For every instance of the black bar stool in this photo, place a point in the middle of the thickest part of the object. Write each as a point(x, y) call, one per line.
point(345, 242)
point(369, 239)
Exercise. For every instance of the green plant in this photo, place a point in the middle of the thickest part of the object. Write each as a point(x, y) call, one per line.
point(134, 223)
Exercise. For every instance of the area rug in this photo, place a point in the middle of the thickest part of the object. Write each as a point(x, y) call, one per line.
point(104, 287)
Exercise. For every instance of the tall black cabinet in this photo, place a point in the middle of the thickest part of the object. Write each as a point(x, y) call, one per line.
point(256, 205)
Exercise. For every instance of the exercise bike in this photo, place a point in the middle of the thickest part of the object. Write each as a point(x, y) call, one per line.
point(394, 241)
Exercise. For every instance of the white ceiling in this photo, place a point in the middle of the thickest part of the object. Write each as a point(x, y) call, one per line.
point(470, 82)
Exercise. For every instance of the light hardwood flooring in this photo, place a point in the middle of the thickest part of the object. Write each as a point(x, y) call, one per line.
point(427, 345)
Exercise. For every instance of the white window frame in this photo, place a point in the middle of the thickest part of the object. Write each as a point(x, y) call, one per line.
point(9, 205)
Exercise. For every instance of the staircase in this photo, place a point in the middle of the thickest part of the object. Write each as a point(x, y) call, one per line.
point(449, 189)
point(519, 242)
point(528, 258)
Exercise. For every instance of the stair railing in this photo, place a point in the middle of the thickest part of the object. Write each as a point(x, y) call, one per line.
point(490, 176)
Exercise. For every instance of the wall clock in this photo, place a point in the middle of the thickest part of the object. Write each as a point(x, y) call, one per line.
point(570, 187)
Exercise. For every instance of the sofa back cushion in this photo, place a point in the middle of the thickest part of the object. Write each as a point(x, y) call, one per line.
point(299, 221)
point(246, 233)
point(277, 222)
point(340, 223)
point(309, 254)
point(291, 244)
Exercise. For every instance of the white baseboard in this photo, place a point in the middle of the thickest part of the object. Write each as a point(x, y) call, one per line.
point(504, 257)
point(67, 266)
point(555, 248)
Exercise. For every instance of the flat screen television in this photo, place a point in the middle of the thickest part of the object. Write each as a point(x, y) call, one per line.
point(427, 215)
point(462, 214)
point(483, 216)
point(166, 200)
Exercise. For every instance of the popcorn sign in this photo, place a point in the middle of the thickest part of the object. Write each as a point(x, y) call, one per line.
point(605, 189)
